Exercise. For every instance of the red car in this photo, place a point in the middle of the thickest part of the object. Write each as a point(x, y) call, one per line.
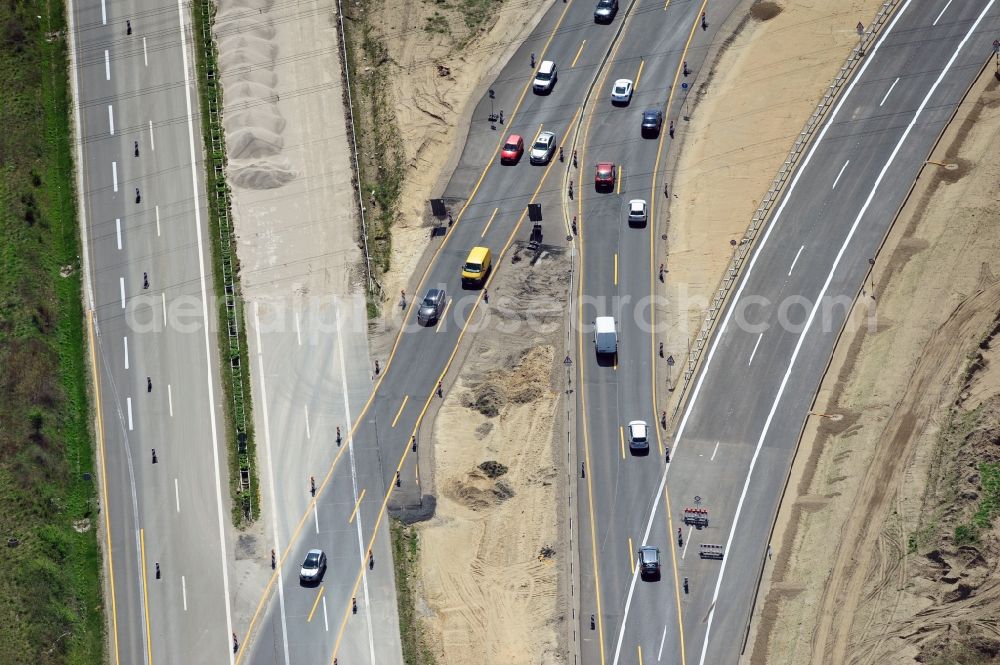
point(604, 177)
point(512, 150)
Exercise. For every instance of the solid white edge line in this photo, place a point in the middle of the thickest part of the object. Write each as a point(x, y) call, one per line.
point(152, 143)
point(114, 175)
point(121, 287)
point(111, 119)
point(754, 352)
point(947, 4)
point(823, 290)
point(888, 92)
point(208, 337)
point(305, 407)
point(270, 477)
point(354, 478)
point(125, 339)
point(298, 330)
point(177, 496)
point(118, 233)
point(128, 406)
point(795, 260)
point(837, 179)
point(107, 64)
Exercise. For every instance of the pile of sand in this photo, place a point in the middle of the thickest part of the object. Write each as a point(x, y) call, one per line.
point(253, 125)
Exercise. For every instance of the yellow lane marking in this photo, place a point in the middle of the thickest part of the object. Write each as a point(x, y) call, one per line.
point(433, 393)
point(104, 477)
point(356, 506)
point(631, 558)
point(639, 649)
point(398, 413)
point(540, 126)
point(495, 210)
point(635, 86)
point(652, 316)
point(616, 269)
point(621, 440)
point(315, 603)
point(145, 595)
point(618, 180)
point(579, 51)
point(665, 5)
point(444, 314)
point(392, 354)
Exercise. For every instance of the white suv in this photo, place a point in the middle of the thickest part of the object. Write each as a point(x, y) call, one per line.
point(637, 212)
point(638, 438)
point(545, 77)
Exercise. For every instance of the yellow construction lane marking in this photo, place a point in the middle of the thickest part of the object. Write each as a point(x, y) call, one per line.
point(356, 506)
point(631, 558)
point(621, 440)
point(104, 478)
point(495, 210)
point(638, 75)
point(400, 412)
point(577, 56)
point(616, 269)
point(433, 394)
point(444, 314)
point(145, 595)
point(315, 603)
point(652, 316)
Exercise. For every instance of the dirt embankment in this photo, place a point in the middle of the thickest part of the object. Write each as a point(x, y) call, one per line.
point(491, 561)
point(440, 54)
point(884, 547)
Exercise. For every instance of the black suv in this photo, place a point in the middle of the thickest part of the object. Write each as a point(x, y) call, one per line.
point(649, 562)
point(605, 11)
point(652, 121)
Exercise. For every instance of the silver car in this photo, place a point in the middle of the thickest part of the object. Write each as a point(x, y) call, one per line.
point(313, 567)
point(431, 306)
point(638, 437)
point(542, 149)
point(637, 212)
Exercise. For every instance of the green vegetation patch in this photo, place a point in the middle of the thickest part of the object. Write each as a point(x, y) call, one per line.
point(50, 591)
point(406, 556)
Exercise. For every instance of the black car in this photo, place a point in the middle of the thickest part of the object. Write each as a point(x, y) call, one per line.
point(649, 563)
point(652, 121)
point(431, 306)
point(605, 11)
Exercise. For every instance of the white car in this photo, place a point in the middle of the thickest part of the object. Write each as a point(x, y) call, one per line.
point(621, 92)
point(542, 148)
point(637, 212)
point(638, 438)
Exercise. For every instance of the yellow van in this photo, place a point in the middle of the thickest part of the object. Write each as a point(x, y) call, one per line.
point(477, 266)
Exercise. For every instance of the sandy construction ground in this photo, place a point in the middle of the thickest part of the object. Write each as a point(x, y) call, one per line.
point(491, 558)
point(866, 566)
point(762, 89)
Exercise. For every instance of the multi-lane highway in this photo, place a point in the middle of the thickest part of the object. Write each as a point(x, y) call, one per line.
point(735, 441)
point(147, 290)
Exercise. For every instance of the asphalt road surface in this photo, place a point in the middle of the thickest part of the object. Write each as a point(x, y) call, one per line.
point(144, 214)
point(488, 202)
point(735, 442)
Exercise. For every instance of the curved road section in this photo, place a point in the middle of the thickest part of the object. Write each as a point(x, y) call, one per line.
point(737, 437)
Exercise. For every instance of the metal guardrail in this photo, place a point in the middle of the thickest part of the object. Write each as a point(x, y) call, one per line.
point(223, 206)
point(762, 214)
point(374, 287)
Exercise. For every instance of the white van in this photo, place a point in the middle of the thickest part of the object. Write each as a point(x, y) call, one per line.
point(605, 335)
point(545, 77)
